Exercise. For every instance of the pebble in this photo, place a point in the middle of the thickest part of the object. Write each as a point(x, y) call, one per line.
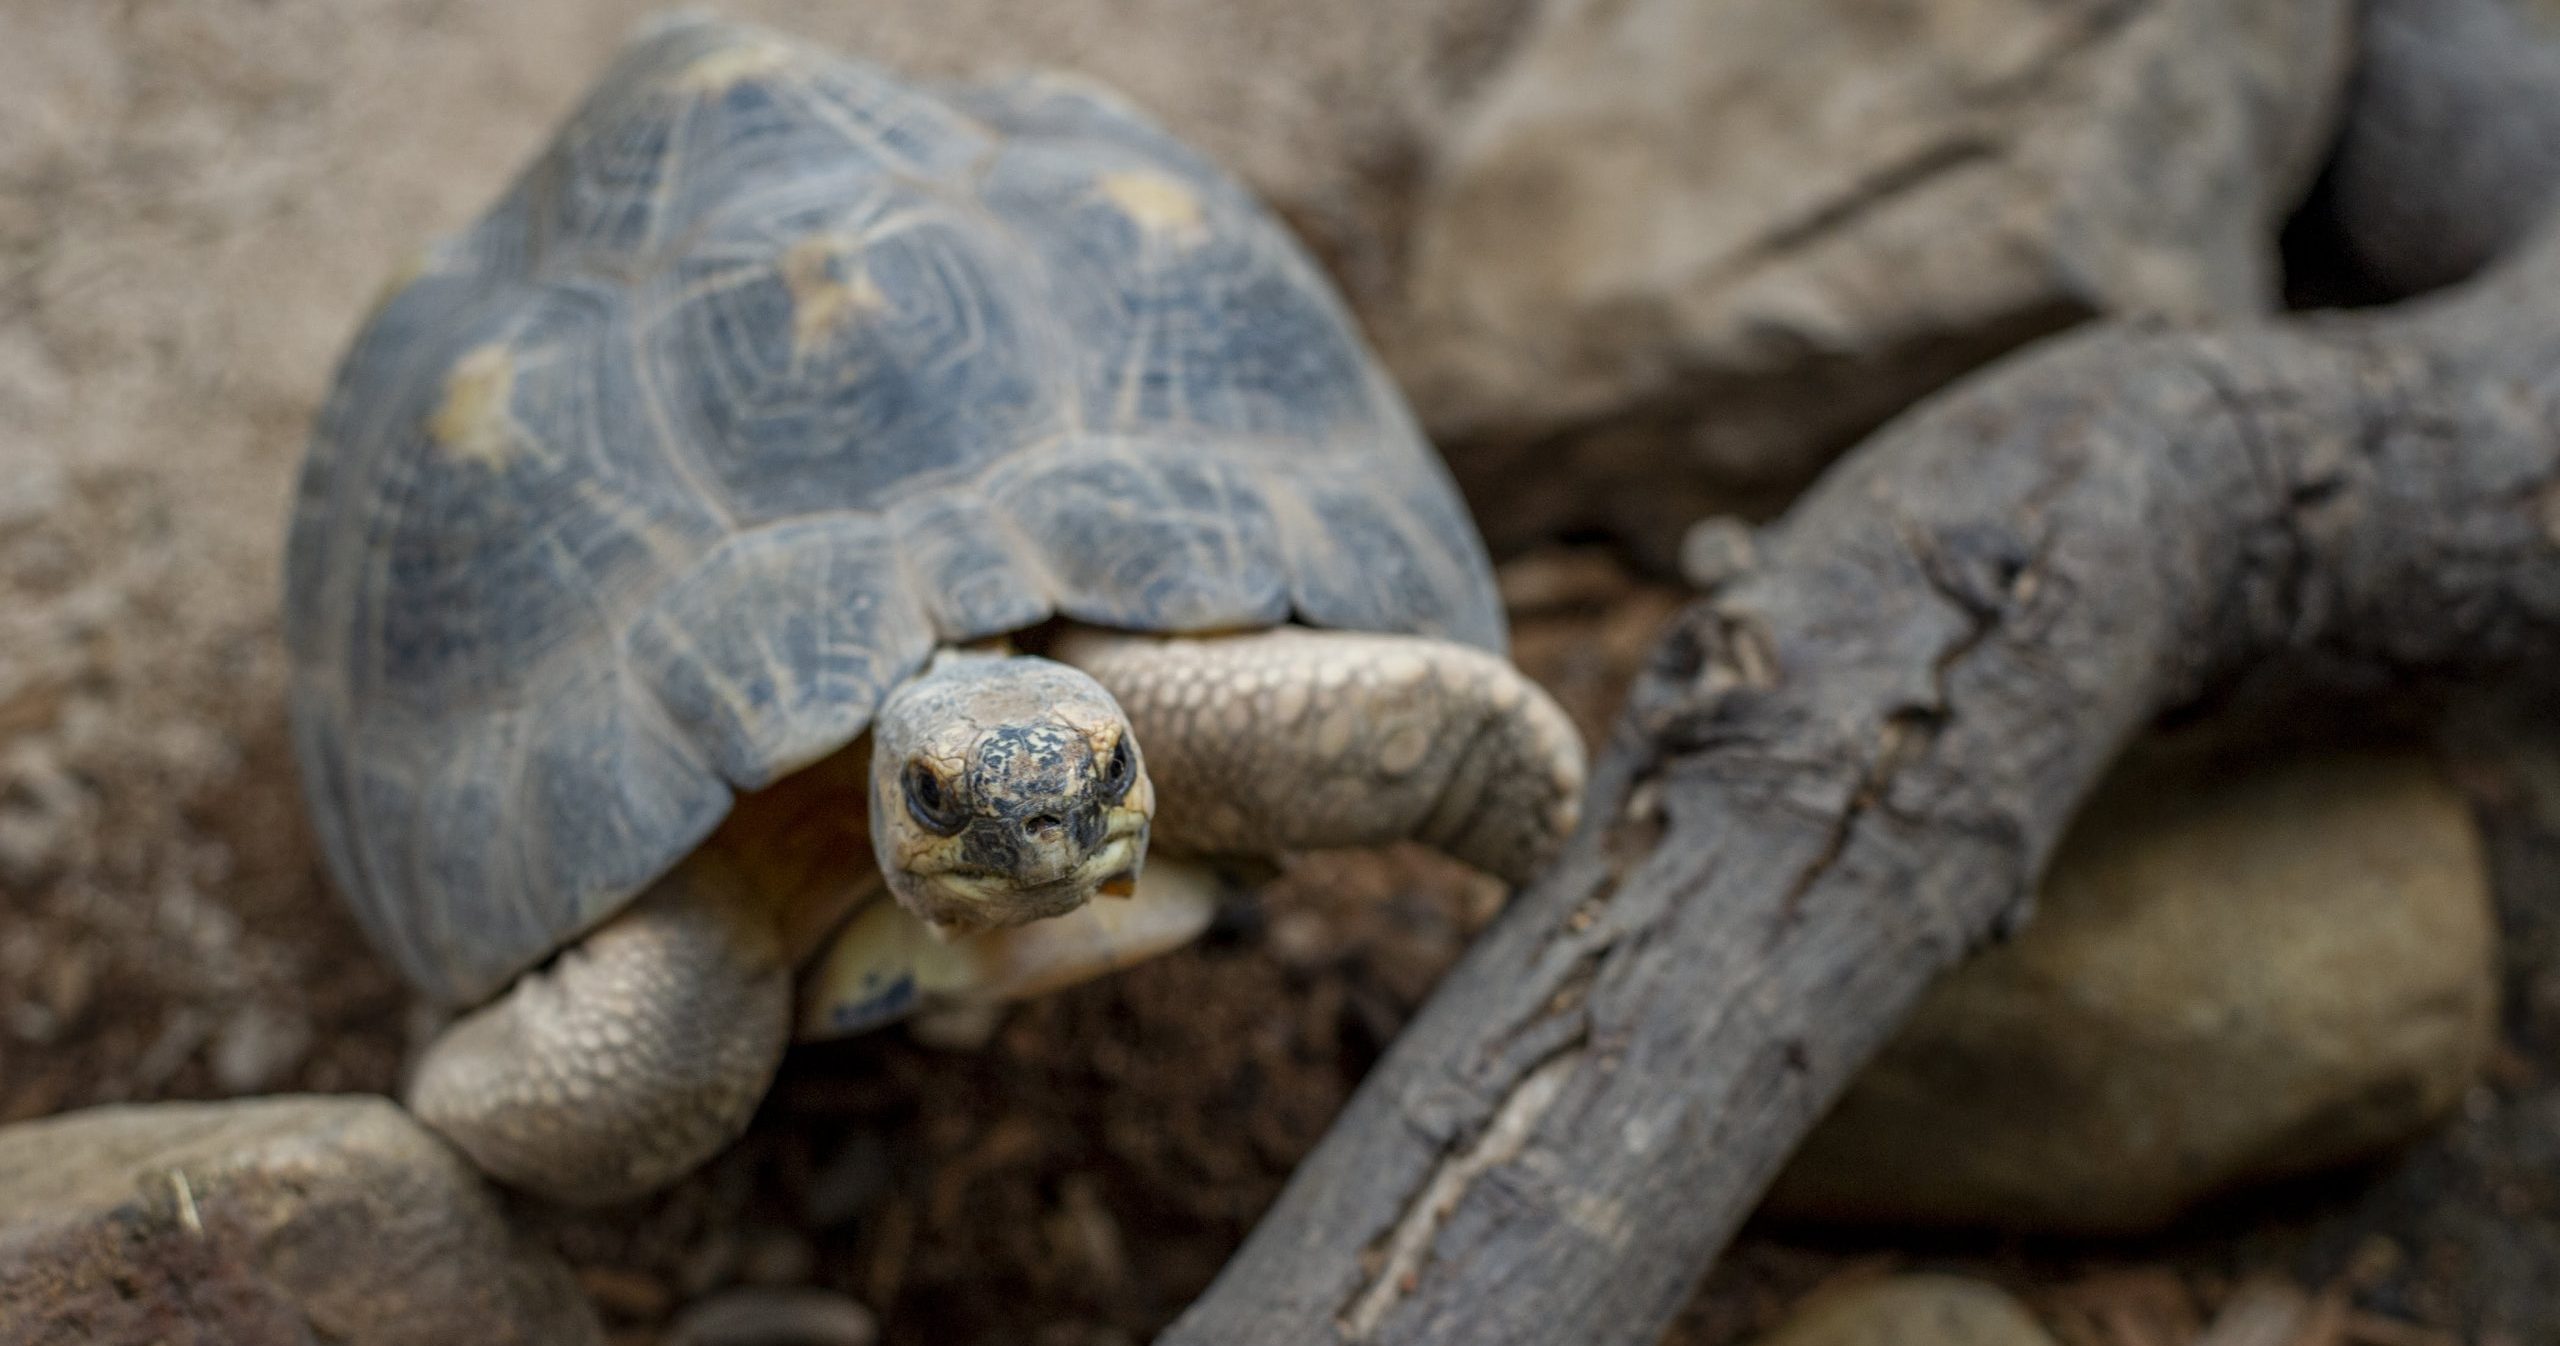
point(1911, 1311)
point(257, 1048)
point(2239, 972)
point(1715, 550)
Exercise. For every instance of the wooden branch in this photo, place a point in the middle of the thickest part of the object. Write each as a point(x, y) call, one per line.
point(1848, 764)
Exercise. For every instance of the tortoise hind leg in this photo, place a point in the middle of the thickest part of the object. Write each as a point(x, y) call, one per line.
point(636, 1055)
point(1296, 739)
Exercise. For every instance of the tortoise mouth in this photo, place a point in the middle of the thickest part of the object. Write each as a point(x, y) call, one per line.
point(963, 899)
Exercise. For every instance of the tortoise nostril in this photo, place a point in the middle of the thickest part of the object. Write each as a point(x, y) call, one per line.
point(1042, 823)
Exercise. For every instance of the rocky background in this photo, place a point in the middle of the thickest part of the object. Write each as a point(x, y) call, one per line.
point(1639, 262)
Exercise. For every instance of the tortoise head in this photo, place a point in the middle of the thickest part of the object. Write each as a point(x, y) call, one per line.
point(1005, 789)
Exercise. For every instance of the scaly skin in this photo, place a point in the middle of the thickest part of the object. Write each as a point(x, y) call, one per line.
point(1260, 744)
point(1019, 750)
point(641, 1051)
point(645, 1048)
point(1294, 739)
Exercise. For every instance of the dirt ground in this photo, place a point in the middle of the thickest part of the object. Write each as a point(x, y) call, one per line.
point(1078, 1179)
point(195, 202)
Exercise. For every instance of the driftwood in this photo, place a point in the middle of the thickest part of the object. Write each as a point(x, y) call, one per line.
point(1849, 761)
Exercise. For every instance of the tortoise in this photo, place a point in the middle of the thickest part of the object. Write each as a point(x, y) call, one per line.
point(805, 485)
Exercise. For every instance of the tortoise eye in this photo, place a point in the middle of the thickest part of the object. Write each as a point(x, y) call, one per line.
point(1121, 773)
point(931, 804)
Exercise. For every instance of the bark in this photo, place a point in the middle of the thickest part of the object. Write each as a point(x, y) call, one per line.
point(1850, 760)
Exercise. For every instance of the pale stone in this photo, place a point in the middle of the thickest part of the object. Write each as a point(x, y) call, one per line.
point(285, 1219)
point(1911, 1311)
point(2231, 977)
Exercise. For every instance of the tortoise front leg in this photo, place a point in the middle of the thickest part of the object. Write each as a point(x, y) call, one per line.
point(1295, 739)
point(637, 1054)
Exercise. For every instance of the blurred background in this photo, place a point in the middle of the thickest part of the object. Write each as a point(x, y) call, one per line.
point(1638, 263)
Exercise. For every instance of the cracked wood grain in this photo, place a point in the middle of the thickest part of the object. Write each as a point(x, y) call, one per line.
point(1849, 761)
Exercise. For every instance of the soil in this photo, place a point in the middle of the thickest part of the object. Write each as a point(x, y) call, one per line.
point(195, 201)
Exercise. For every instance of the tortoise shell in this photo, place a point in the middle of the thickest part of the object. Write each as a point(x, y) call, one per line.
point(772, 373)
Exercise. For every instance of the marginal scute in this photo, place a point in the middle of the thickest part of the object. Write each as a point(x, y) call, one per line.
point(1376, 556)
point(975, 570)
point(333, 501)
point(474, 573)
point(769, 374)
point(520, 825)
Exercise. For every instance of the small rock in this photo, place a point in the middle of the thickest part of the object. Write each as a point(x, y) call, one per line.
point(1303, 940)
point(257, 1047)
point(288, 1220)
point(1911, 1311)
point(803, 1316)
point(2233, 976)
point(965, 1028)
point(1715, 550)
